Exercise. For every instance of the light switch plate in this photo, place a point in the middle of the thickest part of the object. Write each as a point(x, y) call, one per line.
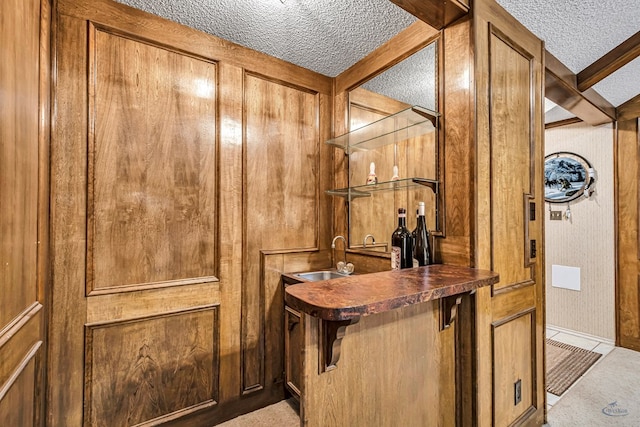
point(555, 215)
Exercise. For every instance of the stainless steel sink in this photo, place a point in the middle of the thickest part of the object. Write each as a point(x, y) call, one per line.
point(314, 276)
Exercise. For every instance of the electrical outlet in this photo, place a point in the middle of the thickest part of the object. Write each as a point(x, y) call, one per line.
point(517, 392)
point(555, 215)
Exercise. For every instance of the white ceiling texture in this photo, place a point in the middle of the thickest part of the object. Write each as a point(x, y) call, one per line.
point(328, 36)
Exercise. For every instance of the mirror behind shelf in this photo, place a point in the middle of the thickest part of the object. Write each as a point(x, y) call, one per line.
point(410, 82)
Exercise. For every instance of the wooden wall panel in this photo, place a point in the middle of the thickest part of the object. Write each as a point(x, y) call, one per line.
point(514, 359)
point(142, 370)
point(628, 234)
point(281, 198)
point(459, 153)
point(139, 204)
point(68, 224)
point(19, 134)
point(16, 408)
point(509, 158)
point(24, 194)
point(411, 337)
point(166, 199)
point(511, 145)
point(152, 164)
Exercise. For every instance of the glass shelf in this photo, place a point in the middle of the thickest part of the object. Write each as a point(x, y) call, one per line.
point(367, 189)
point(409, 123)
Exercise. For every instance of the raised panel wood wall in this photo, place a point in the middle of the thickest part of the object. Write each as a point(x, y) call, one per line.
point(509, 162)
point(513, 347)
point(510, 155)
point(24, 159)
point(188, 173)
point(628, 237)
point(281, 196)
point(152, 165)
point(140, 370)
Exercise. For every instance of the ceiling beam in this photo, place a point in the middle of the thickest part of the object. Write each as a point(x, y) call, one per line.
point(618, 57)
point(629, 110)
point(564, 122)
point(437, 13)
point(404, 44)
point(561, 88)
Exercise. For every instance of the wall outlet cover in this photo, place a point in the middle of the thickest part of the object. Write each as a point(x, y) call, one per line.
point(555, 215)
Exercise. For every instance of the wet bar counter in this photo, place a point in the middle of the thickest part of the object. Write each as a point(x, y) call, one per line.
point(383, 349)
point(361, 295)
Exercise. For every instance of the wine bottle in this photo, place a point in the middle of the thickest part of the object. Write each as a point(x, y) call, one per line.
point(421, 247)
point(413, 240)
point(401, 244)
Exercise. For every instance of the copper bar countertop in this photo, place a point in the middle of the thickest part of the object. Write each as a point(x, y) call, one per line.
point(364, 294)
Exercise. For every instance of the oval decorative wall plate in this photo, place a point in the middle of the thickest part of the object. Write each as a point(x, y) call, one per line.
point(567, 176)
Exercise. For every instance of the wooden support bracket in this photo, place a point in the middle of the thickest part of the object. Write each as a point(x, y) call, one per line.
point(449, 310)
point(332, 333)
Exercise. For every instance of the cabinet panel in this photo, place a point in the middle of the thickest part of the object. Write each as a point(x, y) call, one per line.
point(293, 344)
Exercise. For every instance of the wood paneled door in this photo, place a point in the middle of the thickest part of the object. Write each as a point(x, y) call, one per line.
point(24, 142)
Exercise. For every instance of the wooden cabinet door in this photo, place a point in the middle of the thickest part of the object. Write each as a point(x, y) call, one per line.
point(24, 113)
point(293, 342)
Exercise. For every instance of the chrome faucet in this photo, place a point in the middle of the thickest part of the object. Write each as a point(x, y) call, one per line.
point(343, 266)
point(364, 242)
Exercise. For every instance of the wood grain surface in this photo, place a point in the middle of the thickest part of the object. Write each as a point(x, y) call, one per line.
point(628, 239)
point(156, 205)
point(25, 84)
point(367, 294)
point(152, 164)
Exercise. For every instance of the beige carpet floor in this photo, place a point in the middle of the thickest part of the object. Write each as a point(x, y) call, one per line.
point(565, 364)
point(607, 395)
point(281, 414)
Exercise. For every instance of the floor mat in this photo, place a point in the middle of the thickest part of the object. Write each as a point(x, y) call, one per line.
point(565, 364)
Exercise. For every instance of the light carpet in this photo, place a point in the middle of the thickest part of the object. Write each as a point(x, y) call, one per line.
point(607, 395)
point(281, 414)
point(565, 364)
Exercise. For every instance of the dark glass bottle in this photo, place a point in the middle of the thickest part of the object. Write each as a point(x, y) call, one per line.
point(401, 244)
point(421, 247)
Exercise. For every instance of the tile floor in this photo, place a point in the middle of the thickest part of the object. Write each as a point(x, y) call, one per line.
point(577, 340)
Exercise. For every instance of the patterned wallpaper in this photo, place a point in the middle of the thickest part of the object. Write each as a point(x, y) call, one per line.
point(587, 240)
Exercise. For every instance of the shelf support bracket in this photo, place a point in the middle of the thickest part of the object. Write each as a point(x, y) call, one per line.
point(332, 332)
point(449, 310)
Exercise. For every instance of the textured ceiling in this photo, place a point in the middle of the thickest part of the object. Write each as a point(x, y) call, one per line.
point(412, 81)
point(579, 32)
point(328, 36)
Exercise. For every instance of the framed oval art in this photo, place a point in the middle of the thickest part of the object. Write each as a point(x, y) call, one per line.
point(567, 176)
